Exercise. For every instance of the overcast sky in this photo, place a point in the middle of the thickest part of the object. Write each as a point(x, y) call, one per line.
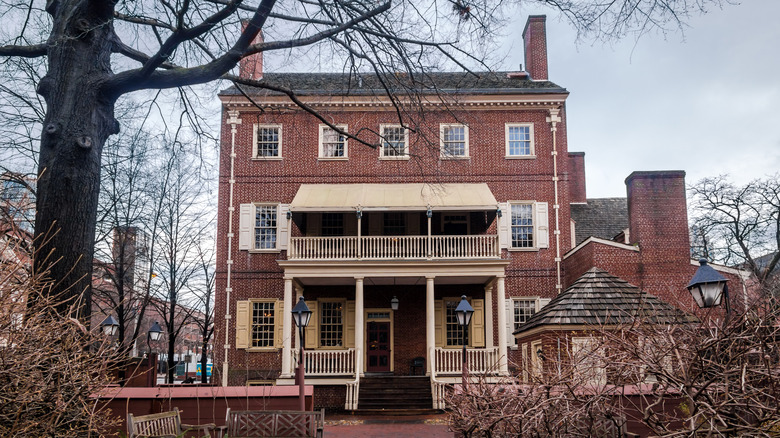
point(707, 102)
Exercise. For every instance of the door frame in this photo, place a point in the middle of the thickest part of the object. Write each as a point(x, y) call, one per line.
point(389, 319)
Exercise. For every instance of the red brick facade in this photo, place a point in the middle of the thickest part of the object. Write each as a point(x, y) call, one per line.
point(535, 42)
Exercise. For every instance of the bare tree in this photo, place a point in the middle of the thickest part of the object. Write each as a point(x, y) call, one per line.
point(204, 290)
point(97, 52)
point(740, 224)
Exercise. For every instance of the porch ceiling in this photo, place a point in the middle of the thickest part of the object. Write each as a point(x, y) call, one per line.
point(400, 197)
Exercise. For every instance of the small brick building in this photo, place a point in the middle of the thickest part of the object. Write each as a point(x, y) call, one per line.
point(477, 200)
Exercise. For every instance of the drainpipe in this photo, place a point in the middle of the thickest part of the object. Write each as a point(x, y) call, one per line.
point(233, 121)
point(553, 120)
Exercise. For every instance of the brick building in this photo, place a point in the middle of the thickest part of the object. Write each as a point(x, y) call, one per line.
point(477, 200)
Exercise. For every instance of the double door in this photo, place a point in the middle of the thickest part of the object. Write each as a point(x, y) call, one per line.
point(378, 347)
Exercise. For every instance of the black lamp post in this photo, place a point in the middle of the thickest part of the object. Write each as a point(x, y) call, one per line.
point(708, 287)
point(109, 326)
point(301, 314)
point(153, 335)
point(464, 312)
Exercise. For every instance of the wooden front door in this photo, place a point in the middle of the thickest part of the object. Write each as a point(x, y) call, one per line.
point(378, 351)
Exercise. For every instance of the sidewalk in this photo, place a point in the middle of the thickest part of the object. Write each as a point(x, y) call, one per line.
point(351, 426)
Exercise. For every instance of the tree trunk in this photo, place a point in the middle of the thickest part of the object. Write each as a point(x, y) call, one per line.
point(204, 361)
point(79, 119)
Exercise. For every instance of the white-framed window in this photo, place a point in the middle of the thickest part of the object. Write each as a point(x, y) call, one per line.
point(265, 228)
point(394, 142)
point(263, 330)
point(394, 224)
point(453, 330)
point(518, 311)
point(522, 226)
point(333, 145)
point(587, 356)
point(268, 142)
point(332, 224)
point(331, 323)
point(454, 141)
point(519, 140)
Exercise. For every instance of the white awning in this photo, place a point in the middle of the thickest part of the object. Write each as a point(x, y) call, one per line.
point(399, 197)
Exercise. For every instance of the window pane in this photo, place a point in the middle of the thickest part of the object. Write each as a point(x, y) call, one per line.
point(393, 141)
point(332, 224)
point(263, 324)
point(519, 140)
point(454, 139)
point(522, 226)
point(332, 143)
point(331, 324)
point(454, 330)
point(265, 227)
point(267, 141)
point(395, 224)
point(523, 310)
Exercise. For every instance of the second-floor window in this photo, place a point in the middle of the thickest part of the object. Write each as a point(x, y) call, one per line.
point(265, 226)
point(394, 224)
point(454, 141)
point(333, 145)
point(395, 142)
point(268, 143)
point(519, 140)
point(522, 226)
point(332, 224)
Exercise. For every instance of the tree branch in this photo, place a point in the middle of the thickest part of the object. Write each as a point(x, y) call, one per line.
point(34, 51)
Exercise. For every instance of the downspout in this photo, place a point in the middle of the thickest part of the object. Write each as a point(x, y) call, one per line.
point(233, 121)
point(553, 119)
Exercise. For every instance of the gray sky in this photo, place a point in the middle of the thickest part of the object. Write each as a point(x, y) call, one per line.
point(707, 102)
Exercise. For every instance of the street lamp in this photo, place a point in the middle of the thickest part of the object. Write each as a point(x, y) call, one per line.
point(301, 315)
point(109, 326)
point(394, 303)
point(464, 312)
point(708, 287)
point(153, 335)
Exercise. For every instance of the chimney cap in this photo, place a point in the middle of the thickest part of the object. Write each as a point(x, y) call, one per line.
point(655, 174)
point(542, 18)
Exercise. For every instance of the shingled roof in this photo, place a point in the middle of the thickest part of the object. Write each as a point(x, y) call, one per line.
point(428, 83)
point(598, 298)
point(604, 218)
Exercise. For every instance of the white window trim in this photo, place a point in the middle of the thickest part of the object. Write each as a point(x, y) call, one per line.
point(465, 155)
point(320, 155)
point(254, 141)
point(252, 302)
point(510, 318)
point(506, 141)
point(382, 155)
point(535, 247)
point(278, 219)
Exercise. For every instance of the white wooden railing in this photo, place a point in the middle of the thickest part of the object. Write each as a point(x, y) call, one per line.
point(479, 360)
point(327, 362)
point(394, 247)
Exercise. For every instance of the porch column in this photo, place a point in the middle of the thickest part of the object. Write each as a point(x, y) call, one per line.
point(489, 315)
point(287, 328)
point(430, 324)
point(502, 341)
point(359, 326)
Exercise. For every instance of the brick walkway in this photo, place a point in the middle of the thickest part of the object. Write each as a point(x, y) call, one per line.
point(432, 426)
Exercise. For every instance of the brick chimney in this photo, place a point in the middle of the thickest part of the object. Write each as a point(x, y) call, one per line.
point(577, 193)
point(251, 67)
point(658, 223)
point(535, 41)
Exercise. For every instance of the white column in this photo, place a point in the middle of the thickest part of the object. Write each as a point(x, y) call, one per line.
point(430, 323)
point(502, 341)
point(359, 326)
point(489, 316)
point(287, 328)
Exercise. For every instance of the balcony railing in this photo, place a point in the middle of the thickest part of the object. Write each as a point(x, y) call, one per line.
point(327, 362)
point(394, 247)
point(479, 360)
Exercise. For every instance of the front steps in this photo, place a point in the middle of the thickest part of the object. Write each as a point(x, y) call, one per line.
point(395, 395)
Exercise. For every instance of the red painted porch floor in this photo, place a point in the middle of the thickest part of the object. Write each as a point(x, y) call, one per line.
point(353, 426)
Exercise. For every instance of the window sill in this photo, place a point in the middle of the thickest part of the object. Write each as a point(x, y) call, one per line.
point(261, 349)
point(266, 158)
point(332, 158)
point(466, 157)
point(520, 157)
point(530, 249)
point(261, 251)
point(401, 158)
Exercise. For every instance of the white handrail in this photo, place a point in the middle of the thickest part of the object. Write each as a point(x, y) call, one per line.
point(327, 362)
point(479, 360)
point(480, 246)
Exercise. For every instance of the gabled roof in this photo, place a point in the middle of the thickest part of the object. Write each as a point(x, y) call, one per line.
point(604, 218)
point(426, 83)
point(598, 298)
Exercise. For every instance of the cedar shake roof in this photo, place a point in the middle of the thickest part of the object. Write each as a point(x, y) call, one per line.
point(427, 83)
point(604, 218)
point(598, 298)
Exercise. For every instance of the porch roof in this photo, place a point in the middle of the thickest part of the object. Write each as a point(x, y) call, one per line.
point(600, 299)
point(407, 197)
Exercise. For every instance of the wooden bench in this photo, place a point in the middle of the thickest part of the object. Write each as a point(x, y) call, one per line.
point(164, 424)
point(277, 424)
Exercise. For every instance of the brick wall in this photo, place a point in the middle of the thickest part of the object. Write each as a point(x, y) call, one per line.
point(577, 177)
point(535, 41)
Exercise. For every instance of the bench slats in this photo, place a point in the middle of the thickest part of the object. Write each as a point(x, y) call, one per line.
point(255, 424)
